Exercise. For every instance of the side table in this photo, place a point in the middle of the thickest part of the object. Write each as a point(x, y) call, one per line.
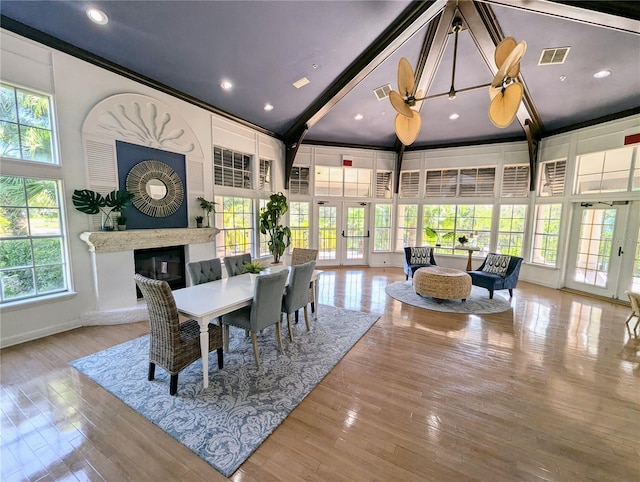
point(470, 250)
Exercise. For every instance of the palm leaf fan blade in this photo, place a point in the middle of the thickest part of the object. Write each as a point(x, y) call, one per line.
point(407, 129)
point(503, 49)
point(406, 80)
point(400, 105)
point(504, 107)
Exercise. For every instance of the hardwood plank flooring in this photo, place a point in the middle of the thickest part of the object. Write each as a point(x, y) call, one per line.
point(549, 390)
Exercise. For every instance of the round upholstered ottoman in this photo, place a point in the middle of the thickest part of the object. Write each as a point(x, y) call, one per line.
point(442, 283)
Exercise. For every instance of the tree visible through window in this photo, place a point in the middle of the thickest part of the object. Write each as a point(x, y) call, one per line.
point(32, 256)
point(234, 217)
point(25, 125)
point(299, 224)
point(546, 234)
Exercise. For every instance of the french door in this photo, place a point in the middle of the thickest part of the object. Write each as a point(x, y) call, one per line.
point(343, 233)
point(602, 249)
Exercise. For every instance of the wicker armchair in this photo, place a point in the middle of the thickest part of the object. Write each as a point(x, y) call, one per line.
point(172, 345)
point(264, 310)
point(296, 295)
point(301, 256)
point(205, 271)
point(634, 298)
point(235, 264)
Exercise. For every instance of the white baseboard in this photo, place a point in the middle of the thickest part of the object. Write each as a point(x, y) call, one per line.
point(35, 334)
point(120, 316)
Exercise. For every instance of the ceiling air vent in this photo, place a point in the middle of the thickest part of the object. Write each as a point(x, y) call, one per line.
point(554, 56)
point(382, 92)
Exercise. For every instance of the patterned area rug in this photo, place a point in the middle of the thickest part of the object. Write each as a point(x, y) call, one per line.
point(243, 404)
point(478, 302)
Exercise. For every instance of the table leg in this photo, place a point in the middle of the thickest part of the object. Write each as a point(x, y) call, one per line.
point(204, 351)
point(469, 261)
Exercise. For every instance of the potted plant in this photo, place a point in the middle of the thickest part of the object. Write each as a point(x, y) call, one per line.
point(463, 240)
point(432, 235)
point(121, 222)
point(254, 268)
point(92, 202)
point(279, 235)
point(199, 220)
point(208, 207)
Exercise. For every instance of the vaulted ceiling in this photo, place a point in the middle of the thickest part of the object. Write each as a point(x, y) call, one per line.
point(347, 49)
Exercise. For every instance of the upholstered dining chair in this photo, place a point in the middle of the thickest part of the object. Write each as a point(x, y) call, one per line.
point(235, 264)
point(634, 298)
point(301, 256)
point(205, 271)
point(296, 294)
point(264, 311)
point(172, 345)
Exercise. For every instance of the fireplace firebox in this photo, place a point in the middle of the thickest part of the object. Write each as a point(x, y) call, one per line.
point(167, 263)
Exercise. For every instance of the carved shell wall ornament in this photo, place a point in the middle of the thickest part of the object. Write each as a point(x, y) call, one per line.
point(149, 130)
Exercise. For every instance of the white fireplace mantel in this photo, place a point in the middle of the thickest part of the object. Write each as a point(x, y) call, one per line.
point(112, 259)
point(112, 241)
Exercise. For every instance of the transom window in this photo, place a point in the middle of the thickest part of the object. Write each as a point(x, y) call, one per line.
point(515, 181)
point(343, 182)
point(607, 171)
point(552, 178)
point(231, 168)
point(299, 180)
point(265, 180)
point(384, 184)
point(32, 254)
point(26, 127)
point(467, 182)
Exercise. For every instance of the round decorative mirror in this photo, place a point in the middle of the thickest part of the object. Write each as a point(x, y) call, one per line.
point(157, 188)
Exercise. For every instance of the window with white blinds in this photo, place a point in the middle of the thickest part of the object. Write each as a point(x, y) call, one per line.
point(264, 180)
point(477, 182)
point(409, 184)
point(515, 181)
point(552, 178)
point(299, 180)
point(441, 183)
point(231, 169)
point(384, 184)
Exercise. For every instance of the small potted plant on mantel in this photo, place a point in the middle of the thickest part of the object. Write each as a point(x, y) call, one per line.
point(199, 220)
point(121, 222)
point(208, 207)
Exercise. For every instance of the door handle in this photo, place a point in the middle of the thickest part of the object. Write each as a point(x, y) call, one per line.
point(620, 252)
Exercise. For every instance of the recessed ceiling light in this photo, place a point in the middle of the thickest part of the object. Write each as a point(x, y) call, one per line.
point(601, 74)
point(563, 78)
point(268, 107)
point(358, 117)
point(97, 16)
point(454, 116)
point(226, 85)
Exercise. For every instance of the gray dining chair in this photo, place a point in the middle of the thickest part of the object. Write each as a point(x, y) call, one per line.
point(264, 311)
point(296, 294)
point(301, 256)
point(172, 345)
point(235, 264)
point(205, 271)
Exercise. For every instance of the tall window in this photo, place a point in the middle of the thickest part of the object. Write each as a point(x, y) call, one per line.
point(263, 243)
point(511, 229)
point(407, 229)
point(26, 127)
point(444, 224)
point(299, 224)
point(635, 282)
point(32, 253)
point(234, 218)
point(546, 234)
point(231, 169)
point(382, 228)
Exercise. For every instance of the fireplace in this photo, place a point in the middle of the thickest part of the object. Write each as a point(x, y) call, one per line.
point(165, 263)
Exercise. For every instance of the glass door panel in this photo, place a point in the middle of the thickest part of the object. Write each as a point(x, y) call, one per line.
point(327, 233)
point(355, 235)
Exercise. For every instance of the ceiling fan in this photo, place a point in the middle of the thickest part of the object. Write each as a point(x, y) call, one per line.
point(504, 96)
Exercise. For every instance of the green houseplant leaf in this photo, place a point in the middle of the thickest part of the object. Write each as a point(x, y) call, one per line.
point(279, 235)
point(119, 200)
point(87, 201)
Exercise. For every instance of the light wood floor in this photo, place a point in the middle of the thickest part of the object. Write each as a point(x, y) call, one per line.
point(549, 390)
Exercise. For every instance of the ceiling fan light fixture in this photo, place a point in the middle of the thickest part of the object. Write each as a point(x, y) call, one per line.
point(268, 107)
point(97, 16)
point(454, 116)
point(359, 117)
point(601, 74)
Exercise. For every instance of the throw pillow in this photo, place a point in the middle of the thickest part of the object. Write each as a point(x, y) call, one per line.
point(497, 264)
point(421, 255)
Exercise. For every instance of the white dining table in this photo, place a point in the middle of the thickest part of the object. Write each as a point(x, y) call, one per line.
point(206, 301)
